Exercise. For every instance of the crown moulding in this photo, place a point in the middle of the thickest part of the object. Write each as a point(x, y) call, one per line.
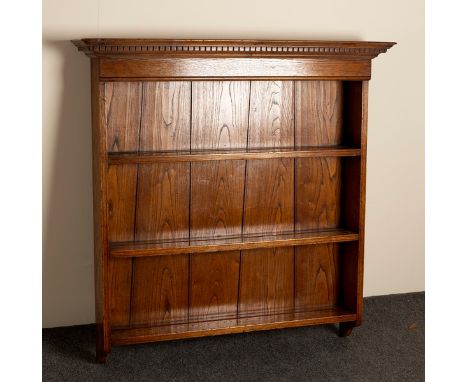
point(230, 48)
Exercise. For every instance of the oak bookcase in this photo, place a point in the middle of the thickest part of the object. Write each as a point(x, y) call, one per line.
point(229, 185)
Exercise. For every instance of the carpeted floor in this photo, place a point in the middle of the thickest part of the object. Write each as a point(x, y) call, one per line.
point(389, 346)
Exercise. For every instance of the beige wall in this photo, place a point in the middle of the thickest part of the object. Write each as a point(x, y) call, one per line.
point(395, 210)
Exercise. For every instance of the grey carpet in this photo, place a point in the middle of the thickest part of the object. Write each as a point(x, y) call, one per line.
point(389, 346)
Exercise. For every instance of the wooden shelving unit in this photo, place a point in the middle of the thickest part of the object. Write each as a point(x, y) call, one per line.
point(229, 185)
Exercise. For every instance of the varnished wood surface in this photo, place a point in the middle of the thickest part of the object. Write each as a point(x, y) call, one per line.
point(101, 240)
point(240, 242)
point(229, 185)
point(237, 68)
point(319, 113)
point(214, 279)
point(230, 325)
point(316, 276)
point(235, 154)
point(107, 47)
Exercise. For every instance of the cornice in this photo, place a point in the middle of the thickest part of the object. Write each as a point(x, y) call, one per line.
point(231, 48)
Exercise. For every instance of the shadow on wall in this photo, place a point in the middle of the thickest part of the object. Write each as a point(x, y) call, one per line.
point(67, 263)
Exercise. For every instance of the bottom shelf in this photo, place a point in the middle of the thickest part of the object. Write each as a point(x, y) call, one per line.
point(127, 336)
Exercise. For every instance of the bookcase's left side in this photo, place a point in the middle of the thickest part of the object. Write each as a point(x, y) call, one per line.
point(101, 243)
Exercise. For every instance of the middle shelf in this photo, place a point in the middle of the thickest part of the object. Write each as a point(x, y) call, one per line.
point(231, 154)
point(231, 243)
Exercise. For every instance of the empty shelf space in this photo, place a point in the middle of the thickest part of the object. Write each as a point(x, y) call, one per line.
point(232, 154)
point(240, 242)
point(189, 329)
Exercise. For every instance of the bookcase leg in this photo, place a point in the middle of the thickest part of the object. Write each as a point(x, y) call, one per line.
point(101, 357)
point(102, 348)
point(346, 328)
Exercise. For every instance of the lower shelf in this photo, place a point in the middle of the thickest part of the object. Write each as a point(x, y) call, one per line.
point(227, 326)
point(240, 242)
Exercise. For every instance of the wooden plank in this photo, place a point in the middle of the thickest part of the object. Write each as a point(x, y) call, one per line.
point(318, 192)
point(236, 154)
point(269, 183)
point(225, 68)
point(238, 242)
point(122, 115)
point(271, 114)
point(220, 112)
point(267, 275)
point(162, 213)
point(316, 276)
point(121, 215)
point(217, 199)
point(229, 326)
point(160, 290)
point(266, 281)
point(269, 199)
point(213, 285)
point(219, 121)
point(165, 123)
point(162, 201)
point(319, 113)
point(101, 242)
point(354, 195)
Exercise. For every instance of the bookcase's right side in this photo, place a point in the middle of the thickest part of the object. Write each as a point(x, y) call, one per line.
point(355, 95)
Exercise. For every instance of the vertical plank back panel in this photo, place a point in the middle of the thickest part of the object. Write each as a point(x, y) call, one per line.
point(160, 285)
point(219, 121)
point(267, 275)
point(121, 215)
point(160, 290)
point(122, 115)
point(220, 114)
point(271, 119)
point(316, 276)
point(214, 280)
point(165, 123)
point(319, 113)
point(318, 190)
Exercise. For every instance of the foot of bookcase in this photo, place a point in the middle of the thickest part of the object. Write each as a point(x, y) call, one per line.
point(346, 328)
point(101, 357)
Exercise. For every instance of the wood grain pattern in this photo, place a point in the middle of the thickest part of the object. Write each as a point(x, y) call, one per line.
point(160, 290)
point(220, 114)
point(266, 281)
point(318, 192)
point(101, 240)
point(228, 68)
point(165, 122)
point(162, 213)
point(269, 198)
point(122, 115)
point(162, 201)
point(229, 326)
point(214, 283)
point(217, 199)
point(234, 154)
point(219, 120)
point(271, 119)
point(316, 276)
point(121, 215)
point(231, 243)
point(319, 113)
